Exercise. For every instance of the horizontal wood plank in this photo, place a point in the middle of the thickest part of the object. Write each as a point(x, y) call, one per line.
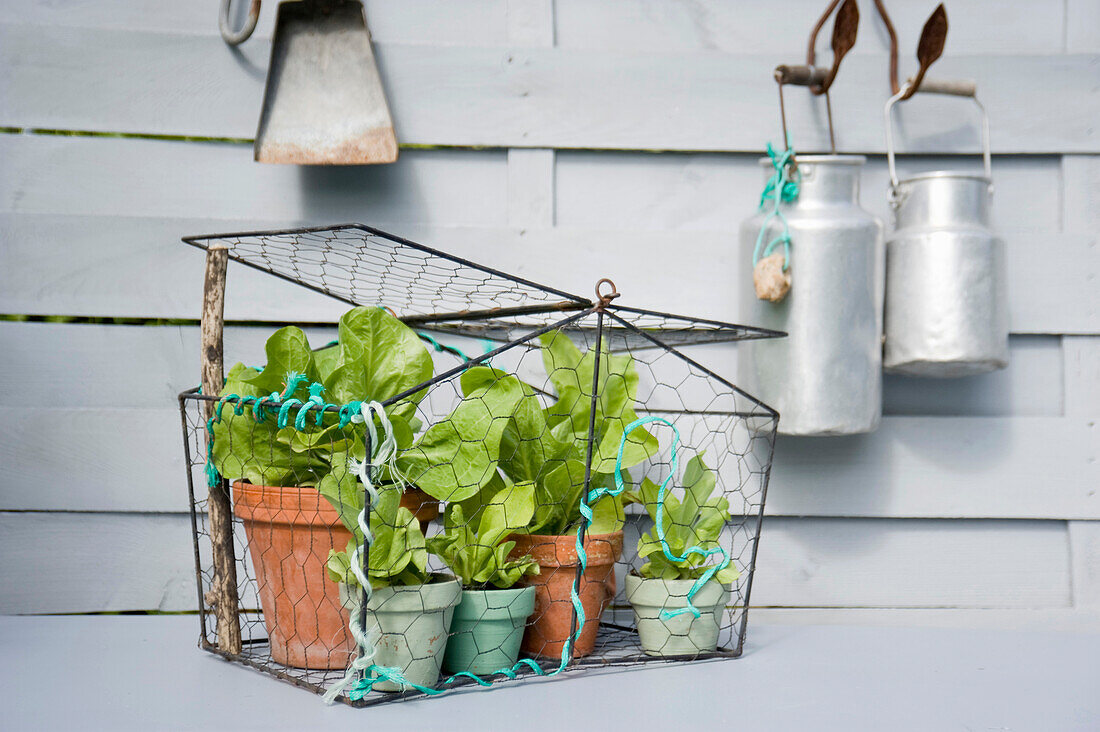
point(942, 467)
point(61, 563)
point(97, 562)
point(431, 22)
point(145, 367)
point(716, 192)
point(110, 80)
point(1082, 376)
point(1084, 547)
point(617, 24)
point(1034, 467)
point(1062, 619)
point(52, 174)
point(136, 267)
point(639, 25)
point(875, 563)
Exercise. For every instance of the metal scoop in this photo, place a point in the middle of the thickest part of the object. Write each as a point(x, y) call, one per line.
point(323, 103)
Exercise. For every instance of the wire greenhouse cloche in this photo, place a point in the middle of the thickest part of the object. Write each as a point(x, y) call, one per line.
point(480, 478)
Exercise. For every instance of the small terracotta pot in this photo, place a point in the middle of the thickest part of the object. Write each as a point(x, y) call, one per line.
point(290, 531)
point(423, 507)
point(549, 626)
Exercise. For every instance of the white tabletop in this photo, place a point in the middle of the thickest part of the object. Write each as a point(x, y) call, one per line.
point(145, 672)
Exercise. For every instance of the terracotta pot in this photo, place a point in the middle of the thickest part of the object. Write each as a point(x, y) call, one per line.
point(552, 620)
point(290, 531)
point(423, 507)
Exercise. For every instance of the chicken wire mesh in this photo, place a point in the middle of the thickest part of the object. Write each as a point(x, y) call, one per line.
point(513, 496)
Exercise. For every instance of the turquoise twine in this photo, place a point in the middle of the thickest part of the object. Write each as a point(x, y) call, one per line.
point(781, 189)
point(696, 550)
point(374, 673)
point(284, 403)
point(385, 453)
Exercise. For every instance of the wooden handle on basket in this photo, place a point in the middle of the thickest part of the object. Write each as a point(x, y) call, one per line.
point(223, 592)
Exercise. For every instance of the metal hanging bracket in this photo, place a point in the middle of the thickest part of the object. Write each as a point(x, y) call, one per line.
point(819, 80)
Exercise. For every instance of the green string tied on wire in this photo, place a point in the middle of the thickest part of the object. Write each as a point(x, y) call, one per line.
point(780, 188)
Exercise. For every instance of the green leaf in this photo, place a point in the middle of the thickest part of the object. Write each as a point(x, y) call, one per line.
point(557, 498)
point(528, 447)
point(571, 373)
point(506, 512)
point(339, 565)
point(326, 360)
point(728, 574)
point(699, 483)
point(457, 457)
point(261, 453)
point(695, 520)
point(342, 490)
point(380, 357)
point(287, 352)
point(607, 515)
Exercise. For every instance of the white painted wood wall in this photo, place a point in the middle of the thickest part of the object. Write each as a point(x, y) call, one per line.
point(562, 140)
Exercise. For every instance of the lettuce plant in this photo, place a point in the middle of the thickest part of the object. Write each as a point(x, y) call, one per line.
point(696, 520)
point(376, 358)
point(475, 546)
point(547, 446)
point(398, 551)
point(501, 431)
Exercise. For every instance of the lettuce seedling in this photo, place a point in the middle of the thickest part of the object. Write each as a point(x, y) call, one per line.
point(474, 546)
point(398, 551)
point(547, 446)
point(696, 519)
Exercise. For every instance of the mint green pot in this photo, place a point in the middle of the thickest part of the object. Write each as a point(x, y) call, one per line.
point(487, 629)
point(684, 634)
point(413, 620)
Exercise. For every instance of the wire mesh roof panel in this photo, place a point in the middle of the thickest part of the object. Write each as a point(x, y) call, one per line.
point(433, 290)
point(363, 266)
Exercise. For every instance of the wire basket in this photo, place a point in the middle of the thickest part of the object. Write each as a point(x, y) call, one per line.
point(508, 448)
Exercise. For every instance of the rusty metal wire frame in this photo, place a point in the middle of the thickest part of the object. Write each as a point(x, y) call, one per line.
point(741, 429)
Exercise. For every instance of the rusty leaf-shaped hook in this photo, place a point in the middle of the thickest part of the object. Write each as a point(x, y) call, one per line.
point(844, 37)
point(893, 35)
point(930, 46)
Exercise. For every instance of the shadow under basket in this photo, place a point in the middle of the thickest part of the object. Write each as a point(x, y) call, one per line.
point(292, 623)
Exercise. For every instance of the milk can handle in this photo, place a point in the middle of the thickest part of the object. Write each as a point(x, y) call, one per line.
point(960, 88)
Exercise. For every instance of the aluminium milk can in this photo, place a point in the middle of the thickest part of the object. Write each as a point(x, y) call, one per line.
point(825, 377)
point(946, 303)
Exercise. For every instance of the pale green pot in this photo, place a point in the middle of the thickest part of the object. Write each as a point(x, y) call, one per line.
point(413, 621)
point(487, 629)
point(684, 634)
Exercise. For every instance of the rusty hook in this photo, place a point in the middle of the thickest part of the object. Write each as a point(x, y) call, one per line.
point(237, 37)
point(894, 87)
point(845, 27)
point(933, 38)
point(604, 299)
point(819, 80)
